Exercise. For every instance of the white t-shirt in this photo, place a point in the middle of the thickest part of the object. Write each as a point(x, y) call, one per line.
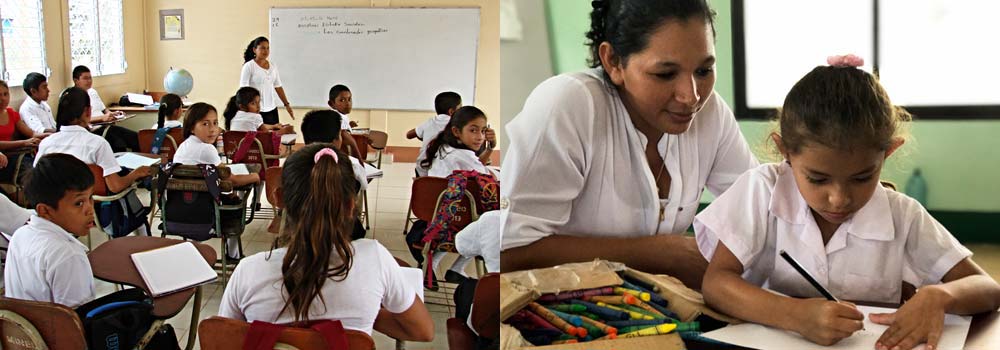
point(359, 173)
point(46, 263)
point(427, 132)
point(482, 238)
point(264, 80)
point(246, 121)
point(345, 121)
point(80, 143)
point(865, 259)
point(12, 217)
point(96, 104)
point(449, 159)
point(193, 152)
point(576, 164)
point(255, 290)
point(169, 124)
point(37, 115)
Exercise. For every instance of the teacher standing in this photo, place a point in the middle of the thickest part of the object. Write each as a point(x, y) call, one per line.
point(261, 74)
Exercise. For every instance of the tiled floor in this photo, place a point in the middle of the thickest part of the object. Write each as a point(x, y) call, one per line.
point(388, 200)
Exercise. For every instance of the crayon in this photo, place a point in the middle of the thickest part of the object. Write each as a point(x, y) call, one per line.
point(644, 296)
point(636, 309)
point(603, 312)
point(649, 308)
point(566, 341)
point(653, 297)
point(655, 330)
point(587, 315)
point(688, 326)
point(613, 299)
point(690, 335)
point(635, 328)
point(604, 328)
point(556, 321)
point(576, 294)
point(630, 323)
point(567, 307)
point(529, 320)
point(591, 330)
point(638, 281)
point(632, 314)
point(572, 319)
point(663, 310)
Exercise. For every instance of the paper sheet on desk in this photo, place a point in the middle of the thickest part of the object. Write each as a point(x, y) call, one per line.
point(752, 335)
point(134, 161)
point(239, 169)
point(142, 99)
point(288, 139)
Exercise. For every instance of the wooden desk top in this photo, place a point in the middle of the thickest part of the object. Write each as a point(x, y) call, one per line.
point(112, 262)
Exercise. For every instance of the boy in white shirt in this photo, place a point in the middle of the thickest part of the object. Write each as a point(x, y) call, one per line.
point(121, 139)
point(341, 101)
point(45, 261)
point(323, 126)
point(35, 111)
point(445, 104)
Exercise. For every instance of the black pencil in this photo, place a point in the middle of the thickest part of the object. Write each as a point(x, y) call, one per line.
point(807, 276)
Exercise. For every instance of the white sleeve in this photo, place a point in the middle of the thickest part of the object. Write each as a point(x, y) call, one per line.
point(546, 165)
point(229, 306)
point(422, 128)
point(70, 278)
point(12, 216)
point(360, 173)
point(105, 158)
point(482, 238)
point(277, 77)
point(245, 74)
point(30, 118)
point(210, 155)
point(931, 251)
point(399, 294)
point(96, 104)
point(738, 218)
point(733, 156)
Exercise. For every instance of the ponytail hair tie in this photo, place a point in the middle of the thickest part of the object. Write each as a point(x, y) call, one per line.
point(848, 60)
point(326, 151)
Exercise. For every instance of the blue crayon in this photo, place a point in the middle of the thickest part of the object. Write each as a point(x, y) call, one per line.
point(633, 323)
point(662, 310)
point(637, 282)
point(696, 336)
point(653, 297)
point(572, 319)
point(603, 312)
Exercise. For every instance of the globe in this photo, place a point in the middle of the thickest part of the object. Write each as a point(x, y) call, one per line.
point(178, 82)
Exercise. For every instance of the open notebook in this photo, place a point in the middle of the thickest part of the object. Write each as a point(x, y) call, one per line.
point(134, 161)
point(173, 268)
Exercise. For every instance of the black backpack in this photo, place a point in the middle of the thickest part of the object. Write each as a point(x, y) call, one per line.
point(117, 320)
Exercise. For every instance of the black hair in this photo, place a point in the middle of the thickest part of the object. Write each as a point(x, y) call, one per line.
point(321, 126)
point(195, 114)
point(33, 81)
point(248, 54)
point(79, 70)
point(445, 101)
point(461, 118)
point(168, 104)
point(73, 102)
point(628, 24)
point(336, 90)
point(243, 97)
point(52, 176)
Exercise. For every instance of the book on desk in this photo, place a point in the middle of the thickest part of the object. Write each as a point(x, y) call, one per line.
point(173, 268)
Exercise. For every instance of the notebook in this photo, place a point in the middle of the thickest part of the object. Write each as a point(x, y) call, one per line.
point(134, 161)
point(173, 268)
point(371, 171)
point(239, 169)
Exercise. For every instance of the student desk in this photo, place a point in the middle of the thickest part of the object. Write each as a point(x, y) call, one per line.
point(361, 138)
point(984, 333)
point(112, 262)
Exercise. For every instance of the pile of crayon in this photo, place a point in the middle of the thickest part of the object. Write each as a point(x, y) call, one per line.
point(633, 309)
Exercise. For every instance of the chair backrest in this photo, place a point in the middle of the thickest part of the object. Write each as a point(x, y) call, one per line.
point(378, 139)
point(262, 151)
point(272, 186)
point(187, 207)
point(218, 333)
point(57, 325)
point(426, 191)
point(100, 187)
point(486, 306)
point(170, 143)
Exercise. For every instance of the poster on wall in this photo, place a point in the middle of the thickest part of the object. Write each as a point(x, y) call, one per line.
point(172, 24)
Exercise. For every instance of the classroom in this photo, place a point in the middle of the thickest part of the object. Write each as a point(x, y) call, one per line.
point(589, 85)
point(397, 62)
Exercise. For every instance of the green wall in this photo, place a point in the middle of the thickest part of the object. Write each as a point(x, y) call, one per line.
point(959, 159)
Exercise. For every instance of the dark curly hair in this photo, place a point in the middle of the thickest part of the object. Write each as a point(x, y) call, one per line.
point(627, 24)
point(248, 53)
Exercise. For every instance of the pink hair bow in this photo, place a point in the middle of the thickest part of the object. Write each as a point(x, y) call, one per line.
point(326, 152)
point(848, 60)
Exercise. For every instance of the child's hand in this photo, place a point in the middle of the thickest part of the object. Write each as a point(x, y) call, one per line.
point(143, 171)
point(491, 137)
point(3, 161)
point(826, 322)
point(921, 319)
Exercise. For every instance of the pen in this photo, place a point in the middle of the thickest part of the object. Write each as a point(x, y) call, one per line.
point(807, 276)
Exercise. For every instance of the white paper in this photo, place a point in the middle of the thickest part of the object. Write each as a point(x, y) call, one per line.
point(142, 99)
point(415, 277)
point(371, 172)
point(134, 161)
point(753, 335)
point(288, 139)
point(174, 268)
point(239, 169)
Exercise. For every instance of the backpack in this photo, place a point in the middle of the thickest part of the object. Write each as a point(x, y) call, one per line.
point(117, 320)
point(121, 217)
point(192, 213)
point(440, 232)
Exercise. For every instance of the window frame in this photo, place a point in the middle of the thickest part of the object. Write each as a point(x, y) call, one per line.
point(44, 64)
point(97, 70)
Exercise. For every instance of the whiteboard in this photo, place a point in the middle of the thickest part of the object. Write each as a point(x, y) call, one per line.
point(390, 58)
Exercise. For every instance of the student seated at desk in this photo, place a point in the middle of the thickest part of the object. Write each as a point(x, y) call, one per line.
point(121, 139)
point(35, 109)
point(341, 101)
point(825, 207)
point(323, 126)
point(315, 271)
point(170, 112)
point(445, 104)
point(242, 114)
point(74, 138)
point(45, 261)
point(14, 134)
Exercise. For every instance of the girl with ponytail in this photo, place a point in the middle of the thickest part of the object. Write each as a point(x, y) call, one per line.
point(169, 114)
point(314, 271)
point(458, 146)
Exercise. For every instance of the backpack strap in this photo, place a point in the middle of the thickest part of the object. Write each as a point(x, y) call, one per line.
point(161, 134)
point(261, 336)
point(211, 174)
point(244, 148)
point(166, 171)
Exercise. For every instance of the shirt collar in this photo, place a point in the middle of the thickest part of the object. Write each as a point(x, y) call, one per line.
point(41, 225)
point(73, 128)
point(873, 221)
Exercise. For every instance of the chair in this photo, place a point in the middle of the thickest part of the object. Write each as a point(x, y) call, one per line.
point(102, 194)
point(170, 143)
point(219, 333)
point(14, 159)
point(378, 140)
point(39, 325)
point(187, 179)
point(273, 194)
point(262, 151)
point(424, 194)
point(485, 315)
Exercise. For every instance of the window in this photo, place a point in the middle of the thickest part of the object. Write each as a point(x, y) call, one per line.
point(22, 40)
point(96, 36)
point(929, 55)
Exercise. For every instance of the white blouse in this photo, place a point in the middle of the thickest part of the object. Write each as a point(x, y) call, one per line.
point(193, 152)
point(889, 240)
point(80, 143)
point(169, 124)
point(264, 80)
point(449, 159)
point(246, 121)
point(576, 165)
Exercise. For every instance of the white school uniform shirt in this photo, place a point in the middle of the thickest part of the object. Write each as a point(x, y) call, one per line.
point(359, 173)
point(12, 216)
point(37, 115)
point(96, 104)
point(264, 80)
point(448, 159)
point(345, 121)
point(482, 238)
point(46, 263)
point(80, 143)
point(576, 164)
point(866, 259)
point(246, 121)
point(169, 124)
point(193, 152)
point(255, 290)
point(427, 132)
